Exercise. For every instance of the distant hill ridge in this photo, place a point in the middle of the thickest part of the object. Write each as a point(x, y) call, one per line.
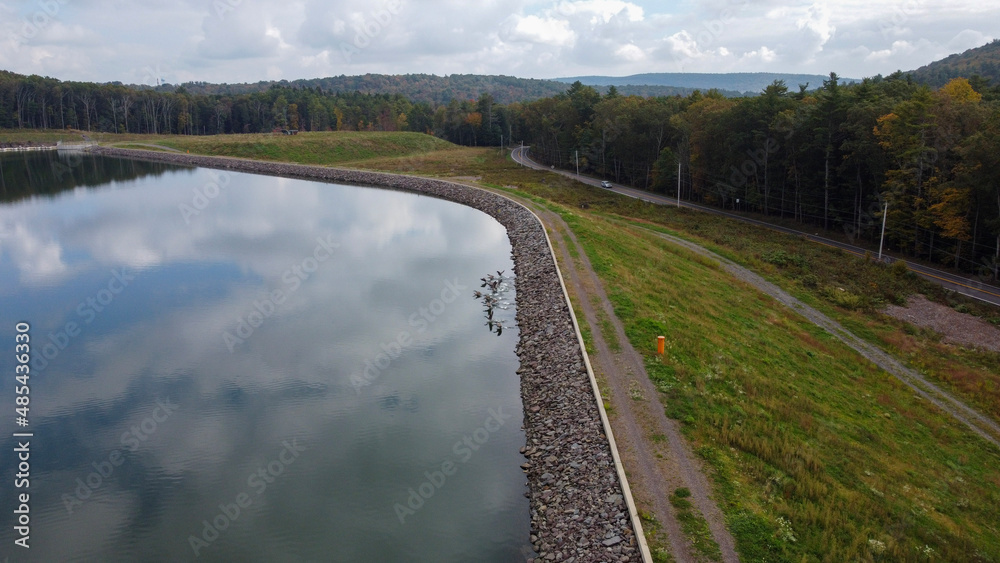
point(743, 82)
point(982, 61)
point(428, 87)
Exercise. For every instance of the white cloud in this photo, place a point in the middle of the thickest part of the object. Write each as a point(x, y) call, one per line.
point(188, 40)
point(602, 11)
point(38, 259)
point(241, 34)
point(683, 44)
point(897, 48)
point(630, 53)
point(817, 20)
point(967, 39)
point(534, 29)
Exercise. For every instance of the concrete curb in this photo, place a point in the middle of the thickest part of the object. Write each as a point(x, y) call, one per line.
point(647, 557)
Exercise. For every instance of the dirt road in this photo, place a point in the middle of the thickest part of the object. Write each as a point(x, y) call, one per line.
point(657, 458)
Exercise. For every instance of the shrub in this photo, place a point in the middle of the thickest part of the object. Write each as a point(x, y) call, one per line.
point(782, 259)
point(843, 298)
point(810, 280)
point(899, 269)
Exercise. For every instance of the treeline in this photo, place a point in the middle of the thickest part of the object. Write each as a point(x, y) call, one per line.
point(45, 103)
point(428, 88)
point(835, 157)
point(34, 102)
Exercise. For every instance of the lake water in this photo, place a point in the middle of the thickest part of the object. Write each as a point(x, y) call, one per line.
point(229, 367)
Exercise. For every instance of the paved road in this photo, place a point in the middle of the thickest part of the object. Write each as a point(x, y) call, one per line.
point(970, 287)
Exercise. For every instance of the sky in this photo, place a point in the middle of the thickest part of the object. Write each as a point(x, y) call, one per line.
point(151, 41)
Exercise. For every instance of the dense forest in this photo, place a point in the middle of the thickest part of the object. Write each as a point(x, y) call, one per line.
point(428, 87)
point(746, 82)
point(833, 157)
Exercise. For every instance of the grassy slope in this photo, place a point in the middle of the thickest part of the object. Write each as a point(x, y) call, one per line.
point(326, 148)
point(338, 148)
point(807, 440)
point(817, 455)
point(815, 451)
point(68, 136)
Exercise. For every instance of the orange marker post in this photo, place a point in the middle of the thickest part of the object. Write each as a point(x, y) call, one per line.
point(660, 344)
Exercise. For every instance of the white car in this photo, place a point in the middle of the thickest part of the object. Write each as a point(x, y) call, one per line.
point(606, 184)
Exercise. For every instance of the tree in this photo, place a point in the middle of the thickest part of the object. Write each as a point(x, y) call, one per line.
point(906, 136)
point(829, 115)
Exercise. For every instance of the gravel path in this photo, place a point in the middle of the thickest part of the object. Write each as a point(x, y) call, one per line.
point(978, 423)
point(958, 328)
point(578, 511)
point(657, 468)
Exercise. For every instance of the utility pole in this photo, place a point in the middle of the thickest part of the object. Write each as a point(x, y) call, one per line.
point(577, 163)
point(885, 213)
point(678, 184)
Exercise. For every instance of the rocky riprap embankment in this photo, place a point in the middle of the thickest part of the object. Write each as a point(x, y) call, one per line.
point(578, 513)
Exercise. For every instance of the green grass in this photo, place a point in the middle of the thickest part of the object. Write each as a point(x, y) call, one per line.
point(68, 136)
point(658, 546)
point(814, 450)
point(323, 148)
point(850, 289)
point(694, 526)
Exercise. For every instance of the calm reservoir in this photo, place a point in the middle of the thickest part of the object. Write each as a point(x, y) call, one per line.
point(230, 367)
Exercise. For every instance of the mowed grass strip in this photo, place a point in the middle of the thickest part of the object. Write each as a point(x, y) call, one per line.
point(323, 148)
point(70, 136)
point(817, 454)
